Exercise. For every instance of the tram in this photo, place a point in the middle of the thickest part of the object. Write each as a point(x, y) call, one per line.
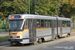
point(29, 28)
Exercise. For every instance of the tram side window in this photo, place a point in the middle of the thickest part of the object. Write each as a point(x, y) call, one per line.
point(66, 23)
point(25, 25)
point(46, 23)
point(55, 23)
point(63, 24)
point(38, 23)
point(49, 23)
point(42, 23)
point(58, 23)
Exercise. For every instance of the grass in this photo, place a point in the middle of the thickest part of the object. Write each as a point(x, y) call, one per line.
point(72, 28)
point(3, 23)
point(4, 38)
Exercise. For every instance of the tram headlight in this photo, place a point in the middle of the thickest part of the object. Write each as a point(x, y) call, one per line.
point(20, 16)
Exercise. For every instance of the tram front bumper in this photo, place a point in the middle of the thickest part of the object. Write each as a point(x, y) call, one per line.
point(23, 41)
point(15, 40)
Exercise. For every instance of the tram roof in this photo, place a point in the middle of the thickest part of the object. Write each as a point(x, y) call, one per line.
point(29, 16)
point(65, 19)
point(39, 17)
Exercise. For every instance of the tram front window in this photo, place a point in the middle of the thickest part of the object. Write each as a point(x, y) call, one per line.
point(15, 25)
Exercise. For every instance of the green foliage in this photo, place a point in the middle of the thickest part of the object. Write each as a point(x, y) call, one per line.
point(1, 14)
point(13, 7)
point(2, 27)
point(45, 8)
point(3, 38)
point(68, 9)
point(3, 24)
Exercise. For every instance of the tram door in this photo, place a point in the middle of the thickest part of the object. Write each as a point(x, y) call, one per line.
point(52, 25)
point(32, 30)
point(60, 28)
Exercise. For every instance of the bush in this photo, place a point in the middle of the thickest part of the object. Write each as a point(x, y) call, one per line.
point(3, 24)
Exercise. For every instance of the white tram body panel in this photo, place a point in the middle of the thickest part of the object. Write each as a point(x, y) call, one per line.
point(25, 36)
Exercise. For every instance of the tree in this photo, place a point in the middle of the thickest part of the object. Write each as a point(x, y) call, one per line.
point(13, 7)
point(1, 14)
point(44, 8)
point(8, 7)
point(68, 8)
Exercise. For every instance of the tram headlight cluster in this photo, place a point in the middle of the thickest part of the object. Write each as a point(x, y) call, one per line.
point(11, 37)
point(14, 36)
point(18, 36)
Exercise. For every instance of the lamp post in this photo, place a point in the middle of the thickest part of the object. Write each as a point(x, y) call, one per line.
point(34, 6)
point(29, 6)
point(57, 7)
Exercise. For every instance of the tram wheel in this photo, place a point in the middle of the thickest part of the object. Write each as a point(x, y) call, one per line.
point(40, 41)
point(35, 43)
point(68, 35)
point(11, 43)
point(56, 37)
point(53, 39)
point(65, 36)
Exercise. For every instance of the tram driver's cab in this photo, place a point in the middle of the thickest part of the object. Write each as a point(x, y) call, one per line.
point(17, 28)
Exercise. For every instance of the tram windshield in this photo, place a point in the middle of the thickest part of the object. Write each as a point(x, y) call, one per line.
point(15, 25)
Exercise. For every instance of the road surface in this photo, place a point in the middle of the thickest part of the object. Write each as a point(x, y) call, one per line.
point(44, 46)
point(67, 43)
point(63, 46)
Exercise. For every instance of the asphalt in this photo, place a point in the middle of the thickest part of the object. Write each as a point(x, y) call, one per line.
point(4, 43)
point(64, 46)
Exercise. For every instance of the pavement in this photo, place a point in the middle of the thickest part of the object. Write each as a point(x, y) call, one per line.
point(4, 33)
point(3, 29)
